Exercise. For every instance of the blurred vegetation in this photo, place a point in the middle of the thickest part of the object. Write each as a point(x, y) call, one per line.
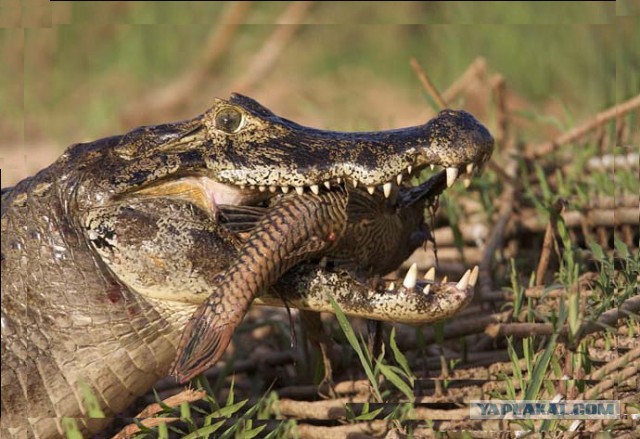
point(77, 66)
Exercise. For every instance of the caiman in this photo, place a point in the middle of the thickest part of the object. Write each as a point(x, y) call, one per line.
point(107, 252)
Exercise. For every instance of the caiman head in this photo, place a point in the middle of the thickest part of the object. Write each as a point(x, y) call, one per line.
point(239, 152)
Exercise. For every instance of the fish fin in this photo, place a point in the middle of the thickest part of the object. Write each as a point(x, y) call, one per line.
point(309, 247)
point(204, 340)
point(241, 218)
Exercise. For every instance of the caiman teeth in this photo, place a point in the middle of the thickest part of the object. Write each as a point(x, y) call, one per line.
point(444, 280)
point(432, 166)
point(371, 189)
point(469, 168)
point(285, 189)
point(315, 189)
point(464, 280)
point(411, 277)
point(426, 289)
point(339, 180)
point(452, 174)
point(300, 190)
point(391, 287)
point(399, 178)
point(355, 183)
point(327, 185)
point(409, 169)
point(273, 189)
point(473, 278)
point(430, 275)
point(262, 188)
point(386, 188)
point(467, 182)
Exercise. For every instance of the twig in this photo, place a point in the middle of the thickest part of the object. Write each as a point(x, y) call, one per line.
point(629, 308)
point(188, 395)
point(606, 320)
point(518, 329)
point(506, 202)
point(263, 61)
point(427, 84)
point(614, 365)
point(547, 244)
point(360, 429)
point(173, 95)
point(499, 92)
point(458, 328)
point(576, 133)
point(476, 70)
point(596, 391)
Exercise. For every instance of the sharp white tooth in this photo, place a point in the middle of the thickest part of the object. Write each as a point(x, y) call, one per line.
point(339, 180)
point(355, 183)
point(272, 188)
point(467, 182)
point(409, 169)
point(411, 277)
point(252, 187)
point(427, 289)
point(323, 262)
point(242, 187)
point(391, 287)
point(399, 178)
point(327, 185)
point(262, 188)
point(300, 190)
point(371, 189)
point(431, 274)
point(473, 279)
point(464, 280)
point(469, 168)
point(315, 189)
point(444, 280)
point(452, 174)
point(285, 189)
point(432, 166)
point(386, 188)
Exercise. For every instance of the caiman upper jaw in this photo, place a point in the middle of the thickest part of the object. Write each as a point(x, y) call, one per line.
point(272, 153)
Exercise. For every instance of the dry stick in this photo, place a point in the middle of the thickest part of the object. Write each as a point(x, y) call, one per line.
point(576, 133)
point(630, 307)
point(427, 84)
point(188, 395)
point(499, 91)
point(507, 197)
point(182, 89)
point(631, 371)
point(496, 239)
point(475, 72)
point(263, 61)
point(547, 244)
point(614, 365)
point(360, 429)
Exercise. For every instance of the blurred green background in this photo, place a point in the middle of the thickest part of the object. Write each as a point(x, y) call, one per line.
point(78, 71)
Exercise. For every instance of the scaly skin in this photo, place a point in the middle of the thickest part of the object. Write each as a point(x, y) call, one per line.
point(299, 228)
point(105, 252)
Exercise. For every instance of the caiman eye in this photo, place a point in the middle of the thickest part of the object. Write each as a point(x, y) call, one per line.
point(229, 120)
